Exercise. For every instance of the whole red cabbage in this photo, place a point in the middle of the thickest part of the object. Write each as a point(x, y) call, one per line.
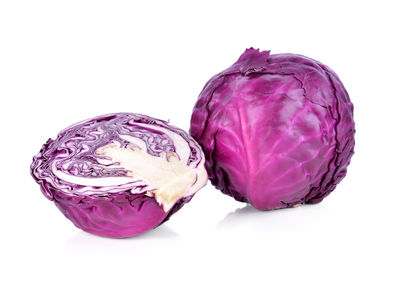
point(119, 175)
point(276, 130)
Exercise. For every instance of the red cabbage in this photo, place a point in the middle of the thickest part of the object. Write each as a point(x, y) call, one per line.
point(120, 174)
point(277, 130)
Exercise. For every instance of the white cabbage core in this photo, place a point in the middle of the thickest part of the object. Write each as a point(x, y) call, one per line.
point(168, 177)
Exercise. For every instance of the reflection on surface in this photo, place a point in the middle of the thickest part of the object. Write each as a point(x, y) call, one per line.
point(154, 239)
point(290, 219)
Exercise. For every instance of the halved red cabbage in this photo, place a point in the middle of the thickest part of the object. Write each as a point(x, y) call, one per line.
point(119, 175)
point(277, 130)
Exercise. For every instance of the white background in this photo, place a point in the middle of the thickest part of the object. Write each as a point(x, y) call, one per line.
point(64, 61)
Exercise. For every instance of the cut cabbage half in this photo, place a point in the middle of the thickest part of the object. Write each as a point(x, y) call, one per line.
point(124, 155)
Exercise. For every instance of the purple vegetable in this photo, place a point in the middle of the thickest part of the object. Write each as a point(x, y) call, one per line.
point(276, 130)
point(120, 174)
